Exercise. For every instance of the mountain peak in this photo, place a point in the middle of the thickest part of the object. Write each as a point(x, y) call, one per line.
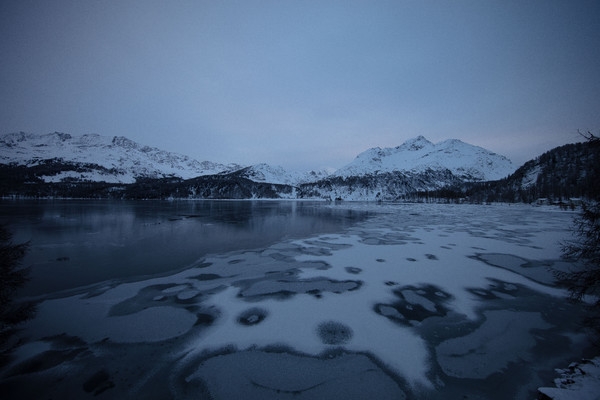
point(415, 144)
point(122, 141)
point(453, 142)
point(418, 154)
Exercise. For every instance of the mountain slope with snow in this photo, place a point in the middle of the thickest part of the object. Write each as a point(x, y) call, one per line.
point(119, 159)
point(468, 162)
point(265, 173)
point(60, 161)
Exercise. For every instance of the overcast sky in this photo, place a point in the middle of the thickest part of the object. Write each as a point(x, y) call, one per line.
point(303, 84)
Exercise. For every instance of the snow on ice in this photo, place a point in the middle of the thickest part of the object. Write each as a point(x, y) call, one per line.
point(420, 300)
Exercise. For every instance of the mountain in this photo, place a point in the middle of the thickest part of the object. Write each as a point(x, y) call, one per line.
point(99, 158)
point(63, 157)
point(385, 186)
point(62, 165)
point(265, 173)
point(418, 155)
point(415, 166)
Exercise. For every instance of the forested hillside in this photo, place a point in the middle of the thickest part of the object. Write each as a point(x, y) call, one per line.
point(563, 173)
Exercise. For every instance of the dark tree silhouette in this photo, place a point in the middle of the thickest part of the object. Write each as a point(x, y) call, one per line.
point(585, 249)
point(585, 279)
point(12, 277)
point(589, 136)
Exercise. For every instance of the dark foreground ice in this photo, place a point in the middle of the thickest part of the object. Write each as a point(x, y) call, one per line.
point(416, 301)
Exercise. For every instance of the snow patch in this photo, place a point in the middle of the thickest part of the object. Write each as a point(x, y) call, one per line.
point(580, 381)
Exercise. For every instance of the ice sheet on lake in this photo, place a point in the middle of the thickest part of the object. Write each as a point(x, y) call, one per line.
point(503, 337)
point(295, 323)
point(263, 375)
point(374, 289)
point(538, 271)
point(451, 270)
point(89, 320)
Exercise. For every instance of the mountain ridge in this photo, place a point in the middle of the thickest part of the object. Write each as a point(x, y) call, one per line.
point(121, 160)
point(417, 155)
point(125, 159)
point(61, 165)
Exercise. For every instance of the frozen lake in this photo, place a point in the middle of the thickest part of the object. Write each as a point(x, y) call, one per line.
point(298, 300)
point(75, 243)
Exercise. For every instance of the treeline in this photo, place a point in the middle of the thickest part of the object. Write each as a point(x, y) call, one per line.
point(224, 186)
point(205, 187)
point(28, 181)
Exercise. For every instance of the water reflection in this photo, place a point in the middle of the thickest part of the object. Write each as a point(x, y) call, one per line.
point(75, 243)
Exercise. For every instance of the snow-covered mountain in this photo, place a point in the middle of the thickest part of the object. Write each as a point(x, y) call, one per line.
point(101, 158)
point(376, 174)
point(388, 186)
point(418, 155)
point(275, 174)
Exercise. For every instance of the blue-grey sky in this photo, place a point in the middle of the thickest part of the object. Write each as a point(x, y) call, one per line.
point(303, 84)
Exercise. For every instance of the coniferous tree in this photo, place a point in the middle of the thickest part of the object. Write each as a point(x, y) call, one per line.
point(585, 280)
point(585, 249)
